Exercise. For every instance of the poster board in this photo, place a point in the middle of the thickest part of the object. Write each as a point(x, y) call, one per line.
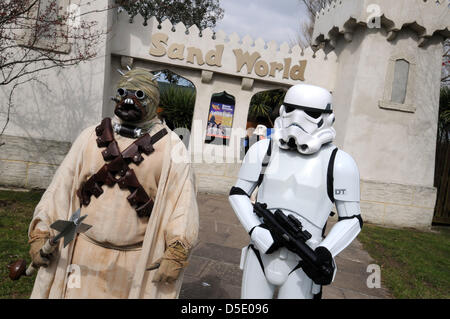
point(220, 119)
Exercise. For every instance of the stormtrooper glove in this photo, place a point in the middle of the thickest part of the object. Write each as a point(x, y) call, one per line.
point(324, 275)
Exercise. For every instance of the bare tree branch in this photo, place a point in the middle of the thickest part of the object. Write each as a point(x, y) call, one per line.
point(10, 104)
point(35, 38)
point(307, 26)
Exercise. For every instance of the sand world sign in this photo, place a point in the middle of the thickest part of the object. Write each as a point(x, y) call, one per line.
point(242, 60)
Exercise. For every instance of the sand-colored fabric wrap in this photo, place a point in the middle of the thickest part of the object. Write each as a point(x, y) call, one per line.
point(141, 79)
point(174, 217)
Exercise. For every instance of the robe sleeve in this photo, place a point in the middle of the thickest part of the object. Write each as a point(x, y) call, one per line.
point(183, 223)
point(60, 198)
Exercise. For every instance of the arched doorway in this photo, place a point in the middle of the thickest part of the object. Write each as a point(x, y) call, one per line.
point(220, 118)
point(264, 109)
point(177, 102)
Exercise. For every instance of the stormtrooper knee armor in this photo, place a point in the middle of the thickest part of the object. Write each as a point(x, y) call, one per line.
point(301, 173)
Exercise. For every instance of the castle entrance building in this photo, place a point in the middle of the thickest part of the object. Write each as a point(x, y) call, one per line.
point(381, 60)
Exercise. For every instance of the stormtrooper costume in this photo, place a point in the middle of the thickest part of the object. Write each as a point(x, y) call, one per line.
point(303, 174)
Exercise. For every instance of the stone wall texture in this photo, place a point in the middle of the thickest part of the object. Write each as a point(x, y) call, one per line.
point(397, 205)
point(29, 163)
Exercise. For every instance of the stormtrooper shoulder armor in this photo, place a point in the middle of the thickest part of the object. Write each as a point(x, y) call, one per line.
point(345, 178)
point(253, 161)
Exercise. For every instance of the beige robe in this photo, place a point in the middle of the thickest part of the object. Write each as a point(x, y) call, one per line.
point(109, 260)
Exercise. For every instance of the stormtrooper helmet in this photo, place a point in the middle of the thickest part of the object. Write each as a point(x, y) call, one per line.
point(306, 119)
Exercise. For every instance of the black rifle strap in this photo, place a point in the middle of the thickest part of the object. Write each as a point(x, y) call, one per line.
point(251, 231)
point(277, 242)
point(324, 229)
point(318, 296)
point(258, 255)
point(265, 163)
point(238, 191)
point(299, 265)
point(330, 178)
point(351, 217)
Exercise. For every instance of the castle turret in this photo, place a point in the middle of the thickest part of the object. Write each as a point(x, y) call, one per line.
point(427, 18)
point(387, 99)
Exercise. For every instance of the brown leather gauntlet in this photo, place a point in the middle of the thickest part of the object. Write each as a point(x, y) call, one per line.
point(174, 260)
point(38, 238)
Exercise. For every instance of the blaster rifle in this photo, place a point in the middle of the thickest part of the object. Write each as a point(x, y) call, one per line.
point(288, 232)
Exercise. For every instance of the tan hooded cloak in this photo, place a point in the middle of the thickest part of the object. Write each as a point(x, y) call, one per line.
point(110, 259)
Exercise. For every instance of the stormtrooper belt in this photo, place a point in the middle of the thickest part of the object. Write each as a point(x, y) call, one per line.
point(117, 165)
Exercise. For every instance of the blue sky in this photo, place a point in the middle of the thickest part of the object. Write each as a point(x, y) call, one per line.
point(278, 20)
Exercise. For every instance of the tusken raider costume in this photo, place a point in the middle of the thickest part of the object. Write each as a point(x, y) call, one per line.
point(139, 198)
point(300, 175)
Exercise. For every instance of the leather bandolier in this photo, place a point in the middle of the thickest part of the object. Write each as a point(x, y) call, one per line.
point(116, 169)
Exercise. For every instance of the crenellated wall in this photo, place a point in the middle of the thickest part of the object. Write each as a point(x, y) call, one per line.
point(269, 62)
point(216, 62)
point(426, 17)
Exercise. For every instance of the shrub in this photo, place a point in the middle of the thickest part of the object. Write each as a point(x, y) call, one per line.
point(178, 104)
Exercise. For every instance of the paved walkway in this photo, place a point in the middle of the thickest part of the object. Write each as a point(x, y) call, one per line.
point(214, 271)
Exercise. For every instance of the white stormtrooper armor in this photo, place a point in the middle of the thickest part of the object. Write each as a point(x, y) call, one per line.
point(301, 173)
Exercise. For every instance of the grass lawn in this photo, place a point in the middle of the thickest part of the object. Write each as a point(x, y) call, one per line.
point(16, 210)
point(414, 264)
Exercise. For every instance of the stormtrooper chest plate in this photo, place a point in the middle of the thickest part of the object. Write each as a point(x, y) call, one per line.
point(297, 184)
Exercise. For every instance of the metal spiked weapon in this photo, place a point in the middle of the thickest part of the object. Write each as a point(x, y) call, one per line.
point(67, 230)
